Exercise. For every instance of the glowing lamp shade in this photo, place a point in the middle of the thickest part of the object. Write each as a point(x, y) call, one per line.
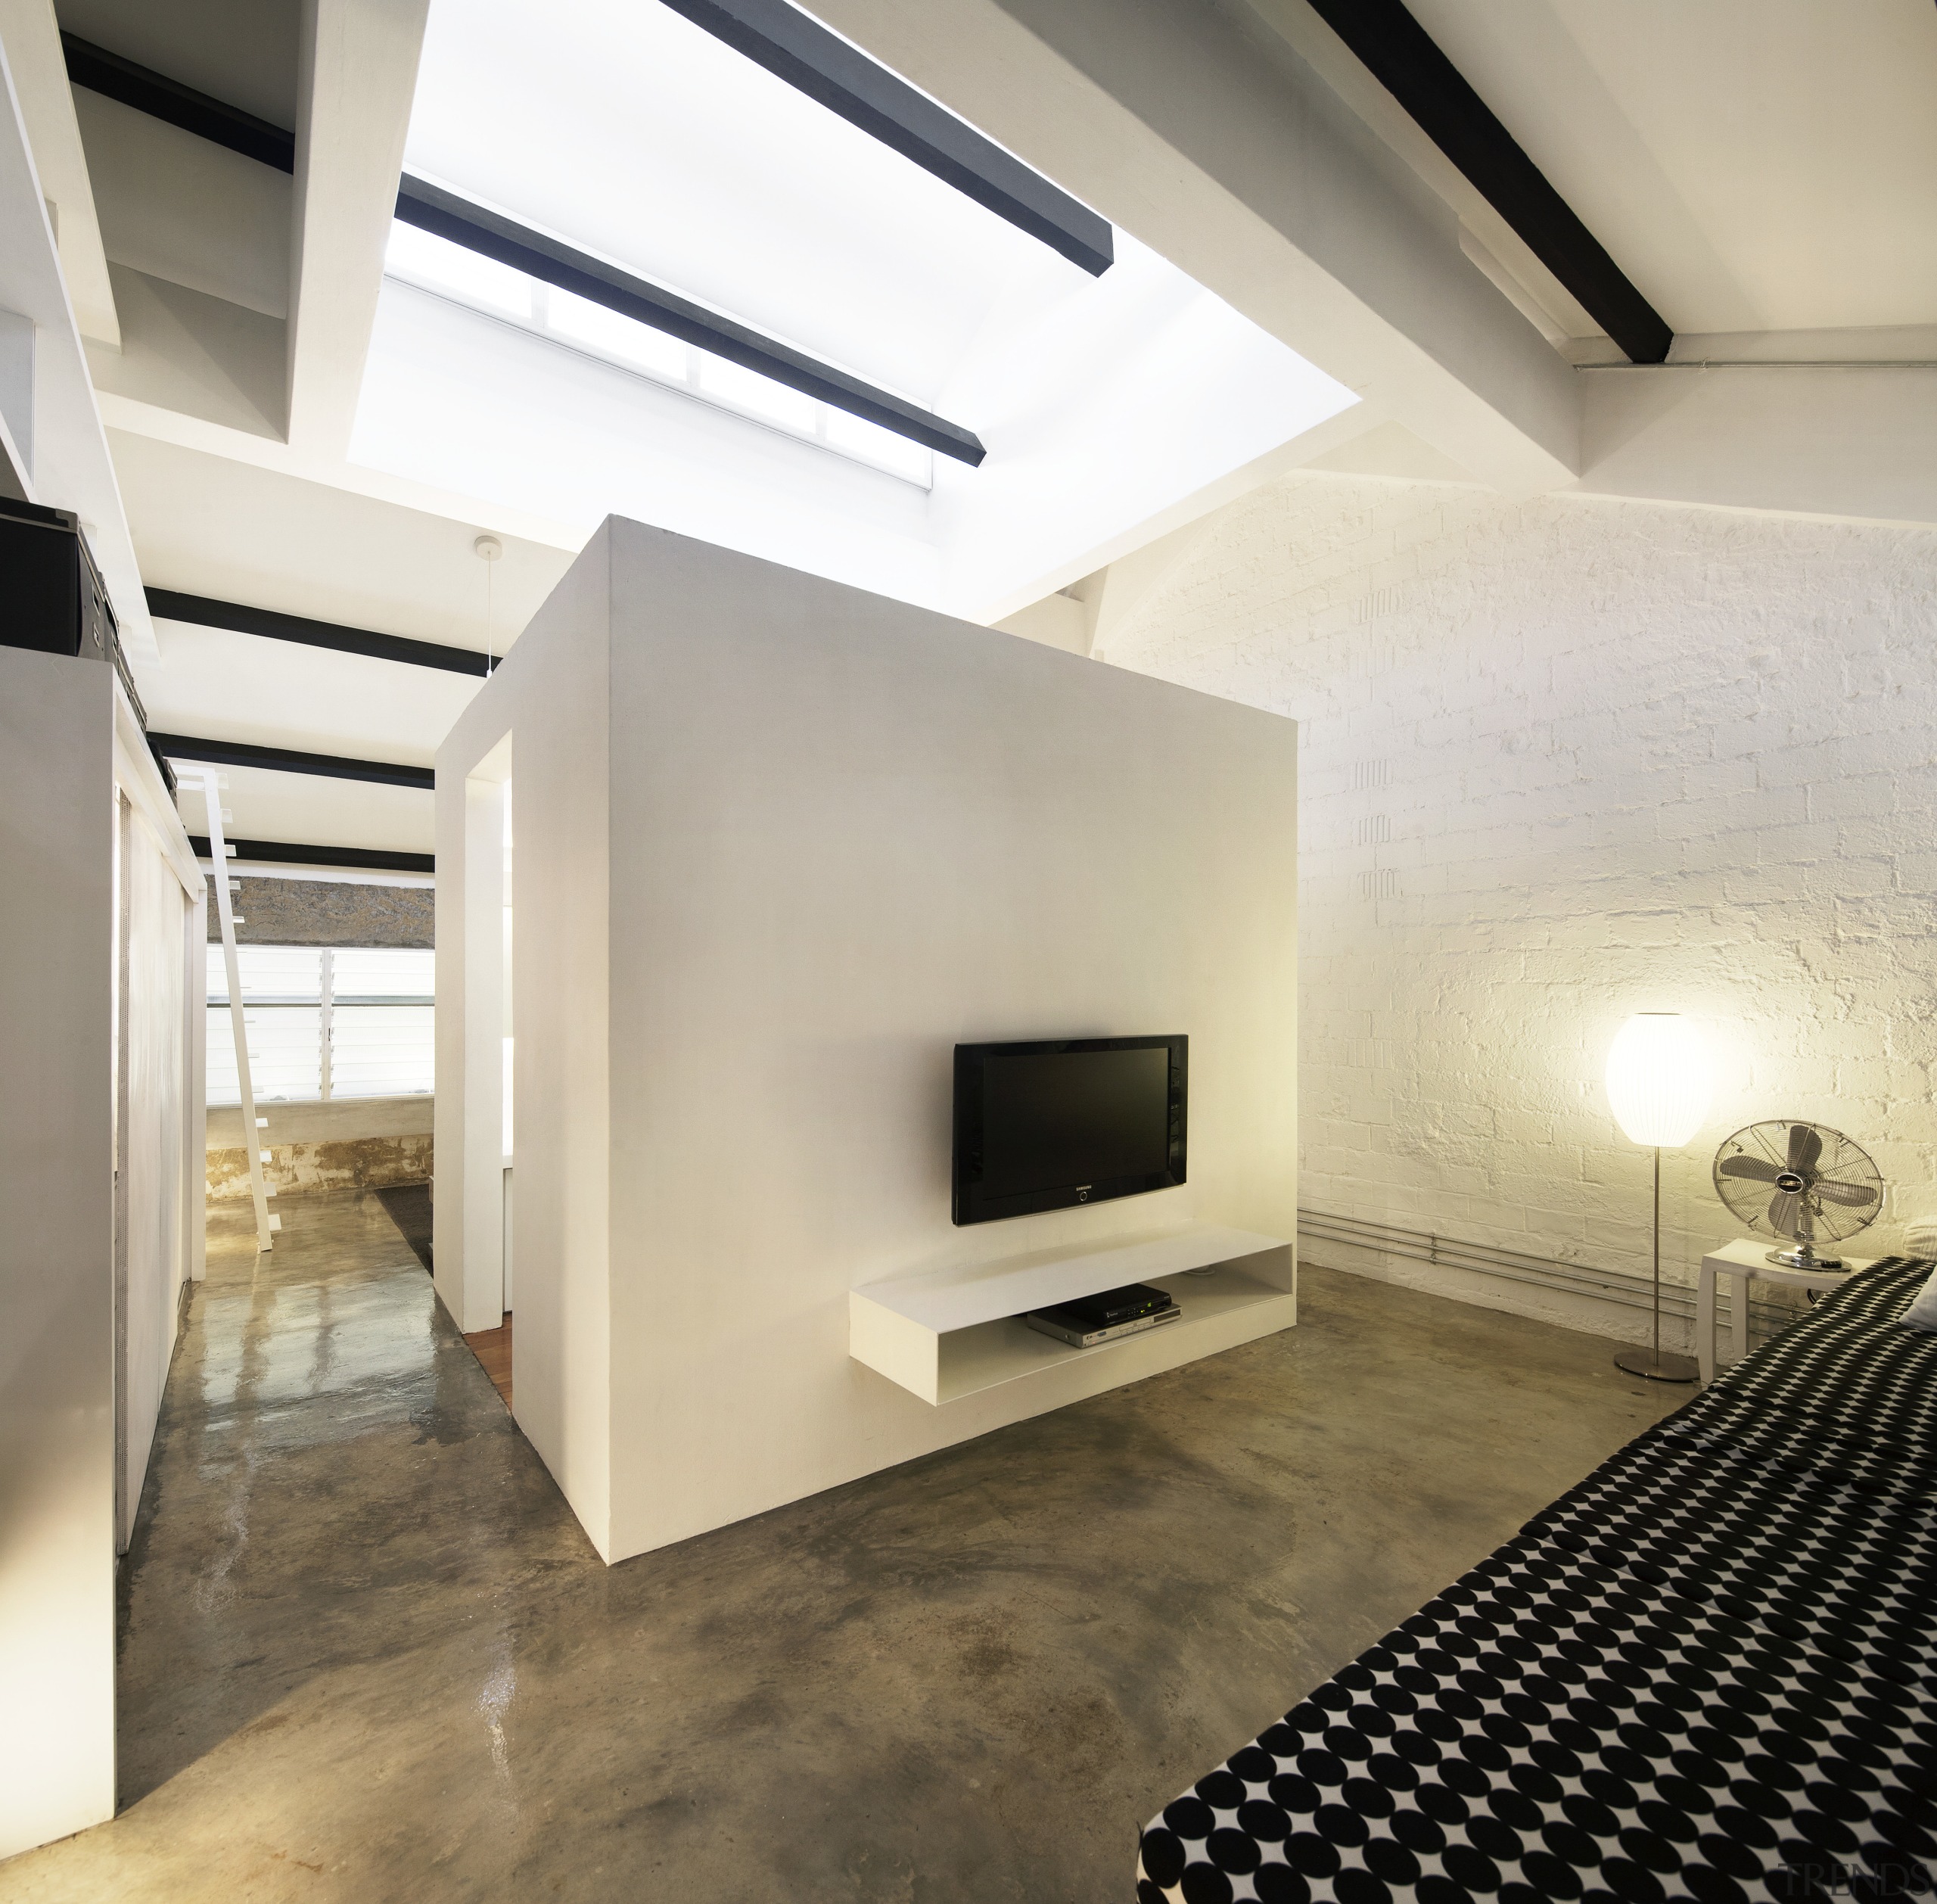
point(1658, 1079)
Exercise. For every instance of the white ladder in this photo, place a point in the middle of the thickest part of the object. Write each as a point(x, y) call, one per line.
point(252, 1126)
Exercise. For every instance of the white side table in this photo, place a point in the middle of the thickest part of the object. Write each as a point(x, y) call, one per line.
point(1747, 1262)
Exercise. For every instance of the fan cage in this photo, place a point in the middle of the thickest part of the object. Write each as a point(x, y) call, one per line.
point(1791, 1179)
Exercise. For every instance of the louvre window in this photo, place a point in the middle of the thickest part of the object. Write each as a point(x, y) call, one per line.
point(346, 1022)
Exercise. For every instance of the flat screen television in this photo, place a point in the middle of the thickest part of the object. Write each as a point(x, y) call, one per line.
point(1045, 1126)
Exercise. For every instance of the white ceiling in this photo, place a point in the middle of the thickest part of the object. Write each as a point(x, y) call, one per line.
point(304, 810)
point(206, 525)
point(461, 401)
point(209, 525)
point(628, 131)
point(1752, 165)
point(243, 52)
point(216, 685)
point(1102, 402)
point(1756, 166)
point(1131, 392)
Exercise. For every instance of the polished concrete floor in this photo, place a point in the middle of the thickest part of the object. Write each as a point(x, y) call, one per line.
point(368, 1655)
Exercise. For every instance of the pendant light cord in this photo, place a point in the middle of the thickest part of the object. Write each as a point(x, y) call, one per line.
point(488, 549)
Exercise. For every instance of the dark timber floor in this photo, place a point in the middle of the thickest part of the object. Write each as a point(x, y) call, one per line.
point(368, 1655)
point(493, 1348)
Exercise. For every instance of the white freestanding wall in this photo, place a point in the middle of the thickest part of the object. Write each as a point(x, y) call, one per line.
point(781, 845)
point(101, 991)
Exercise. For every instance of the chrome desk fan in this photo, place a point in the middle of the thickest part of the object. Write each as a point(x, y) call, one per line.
point(1825, 1188)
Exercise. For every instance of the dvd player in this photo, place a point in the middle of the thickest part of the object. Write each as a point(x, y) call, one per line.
point(1123, 1305)
point(1085, 1320)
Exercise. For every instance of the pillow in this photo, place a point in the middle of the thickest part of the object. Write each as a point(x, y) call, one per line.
point(1922, 1313)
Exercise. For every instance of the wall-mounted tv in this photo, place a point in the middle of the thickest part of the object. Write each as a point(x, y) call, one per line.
point(1045, 1126)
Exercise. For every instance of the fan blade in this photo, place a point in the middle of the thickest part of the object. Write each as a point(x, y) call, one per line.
point(1754, 1167)
point(1856, 1196)
point(1783, 1207)
point(1805, 1147)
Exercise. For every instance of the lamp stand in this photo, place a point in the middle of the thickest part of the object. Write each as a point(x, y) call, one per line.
point(1651, 1364)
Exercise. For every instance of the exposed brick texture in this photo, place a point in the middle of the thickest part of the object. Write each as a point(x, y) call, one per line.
point(328, 912)
point(1561, 760)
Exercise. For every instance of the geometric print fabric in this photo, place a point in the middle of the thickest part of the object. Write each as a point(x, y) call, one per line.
point(1706, 1672)
point(1849, 1369)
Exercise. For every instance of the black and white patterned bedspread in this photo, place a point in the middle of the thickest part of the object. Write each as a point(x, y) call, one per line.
point(1706, 1672)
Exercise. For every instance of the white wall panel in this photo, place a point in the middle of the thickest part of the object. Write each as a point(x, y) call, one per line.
point(57, 1243)
point(150, 1257)
point(838, 835)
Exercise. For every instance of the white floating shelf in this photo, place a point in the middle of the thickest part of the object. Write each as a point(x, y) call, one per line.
point(956, 1332)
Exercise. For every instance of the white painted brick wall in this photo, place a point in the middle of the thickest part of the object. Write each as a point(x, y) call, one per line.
point(1562, 760)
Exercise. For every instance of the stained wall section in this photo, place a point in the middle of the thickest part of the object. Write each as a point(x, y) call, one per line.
point(329, 912)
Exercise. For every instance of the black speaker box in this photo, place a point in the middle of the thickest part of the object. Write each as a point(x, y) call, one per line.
point(51, 596)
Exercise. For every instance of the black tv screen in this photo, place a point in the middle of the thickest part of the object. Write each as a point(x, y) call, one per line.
point(1045, 1126)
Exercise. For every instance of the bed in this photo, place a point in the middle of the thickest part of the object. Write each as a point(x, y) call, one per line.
point(1705, 1672)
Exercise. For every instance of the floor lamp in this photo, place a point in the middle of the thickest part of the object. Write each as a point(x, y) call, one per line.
point(1657, 1083)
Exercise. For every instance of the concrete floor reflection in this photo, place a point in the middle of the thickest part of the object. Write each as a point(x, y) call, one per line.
point(369, 1655)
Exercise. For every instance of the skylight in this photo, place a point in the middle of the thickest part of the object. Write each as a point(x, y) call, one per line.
point(431, 263)
point(1109, 407)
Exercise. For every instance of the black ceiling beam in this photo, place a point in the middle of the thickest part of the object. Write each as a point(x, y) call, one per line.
point(284, 760)
point(360, 859)
point(794, 47)
point(270, 622)
point(1399, 54)
point(491, 235)
point(447, 215)
point(161, 98)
